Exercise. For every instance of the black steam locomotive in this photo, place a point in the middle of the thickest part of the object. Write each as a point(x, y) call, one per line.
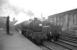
point(38, 32)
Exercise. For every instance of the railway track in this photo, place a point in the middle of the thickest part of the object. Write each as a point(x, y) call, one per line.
point(70, 39)
point(68, 45)
point(61, 45)
point(55, 46)
point(69, 42)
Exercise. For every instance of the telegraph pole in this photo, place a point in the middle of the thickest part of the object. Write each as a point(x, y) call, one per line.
point(7, 25)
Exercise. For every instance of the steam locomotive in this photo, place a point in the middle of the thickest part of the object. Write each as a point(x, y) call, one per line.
point(39, 33)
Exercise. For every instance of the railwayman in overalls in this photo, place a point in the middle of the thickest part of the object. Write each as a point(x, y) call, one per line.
point(47, 33)
point(56, 33)
point(55, 36)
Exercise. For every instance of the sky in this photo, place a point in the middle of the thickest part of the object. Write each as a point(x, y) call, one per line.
point(46, 7)
point(35, 8)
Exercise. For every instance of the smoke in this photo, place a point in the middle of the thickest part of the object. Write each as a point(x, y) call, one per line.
point(6, 9)
point(3, 7)
point(2, 2)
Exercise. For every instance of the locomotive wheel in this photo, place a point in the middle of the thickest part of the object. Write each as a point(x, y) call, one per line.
point(37, 42)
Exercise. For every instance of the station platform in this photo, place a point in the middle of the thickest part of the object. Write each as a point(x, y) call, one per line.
point(16, 42)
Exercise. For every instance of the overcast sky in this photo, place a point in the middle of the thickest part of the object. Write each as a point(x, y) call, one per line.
point(46, 7)
point(38, 7)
